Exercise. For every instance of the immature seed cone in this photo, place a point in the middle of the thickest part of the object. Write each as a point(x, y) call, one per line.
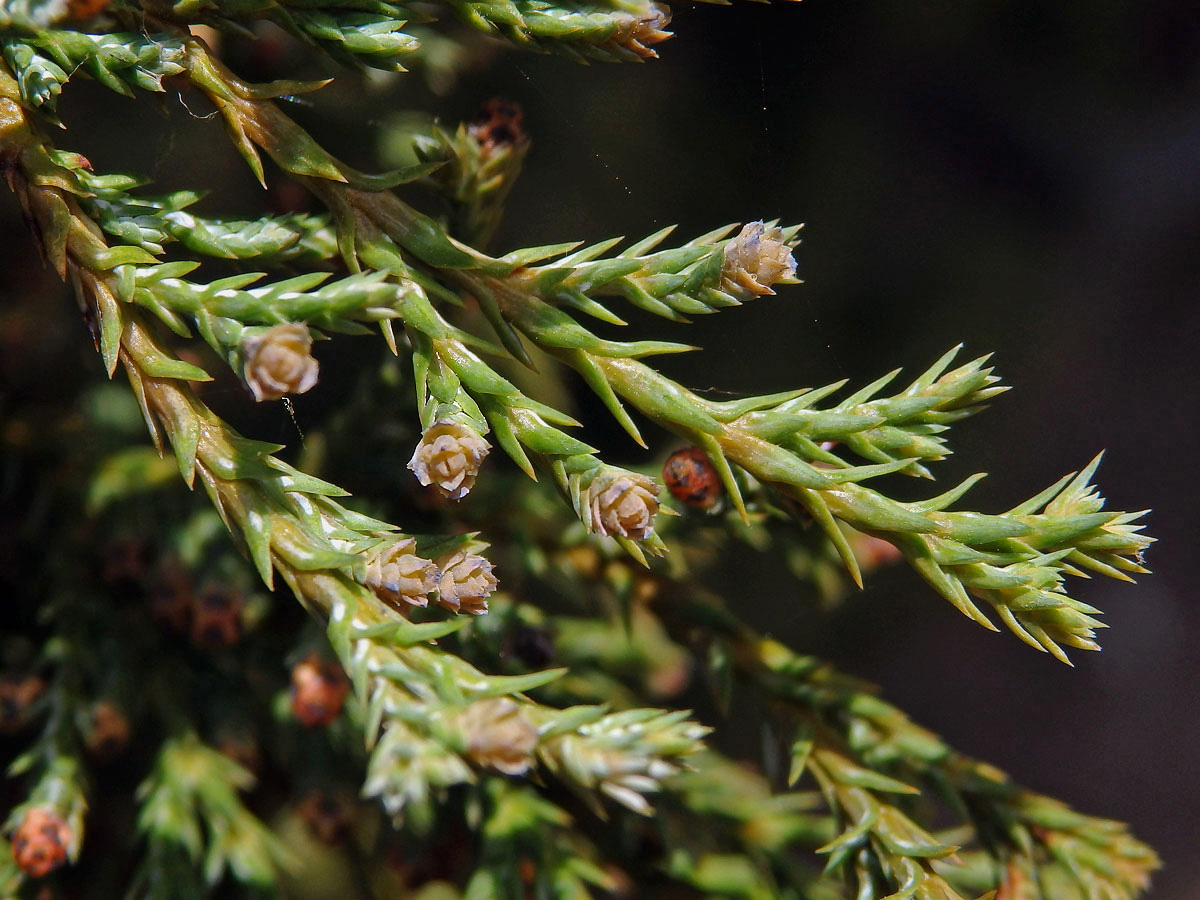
point(123, 563)
point(172, 598)
point(640, 33)
point(756, 259)
point(498, 126)
point(873, 553)
point(498, 736)
point(242, 748)
point(279, 361)
point(398, 576)
point(531, 645)
point(39, 845)
point(108, 732)
point(466, 583)
point(449, 457)
point(328, 816)
point(79, 10)
point(217, 618)
point(691, 478)
point(624, 505)
point(319, 688)
point(17, 696)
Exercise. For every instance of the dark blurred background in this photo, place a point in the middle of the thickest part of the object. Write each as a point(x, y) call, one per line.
point(1024, 178)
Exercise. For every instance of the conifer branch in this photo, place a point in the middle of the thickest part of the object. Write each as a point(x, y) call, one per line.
point(528, 845)
point(439, 718)
point(749, 847)
point(623, 30)
point(886, 851)
point(46, 829)
point(353, 32)
point(691, 279)
point(1015, 562)
point(289, 522)
point(878, 770)
point(11, 877)
point(42, 60)
point(431, 718)
point(867, 756)
point(190, 808)
point(481, 164)
point(876, 748)
point(152, 222)
point(1010, 562)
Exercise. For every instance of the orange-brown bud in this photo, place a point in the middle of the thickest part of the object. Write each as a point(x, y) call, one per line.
point(319, 689)
point(217, 618)
point(242, 748)
point(17, 696)
point(80, 10)
point(124, 562)
point(108, 731)
point(171, 599)
point(39, 845)
point(327, 815)
point(498, 125)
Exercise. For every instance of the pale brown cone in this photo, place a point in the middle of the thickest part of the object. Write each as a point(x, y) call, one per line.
point(466, 583)
point(498, 736)
point(449, 457)
point(398, 575)
point(279, 361)
point(624, 505)
point(756, 259)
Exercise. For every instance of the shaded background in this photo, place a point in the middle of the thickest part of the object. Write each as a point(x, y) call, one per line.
point(1023, 178)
